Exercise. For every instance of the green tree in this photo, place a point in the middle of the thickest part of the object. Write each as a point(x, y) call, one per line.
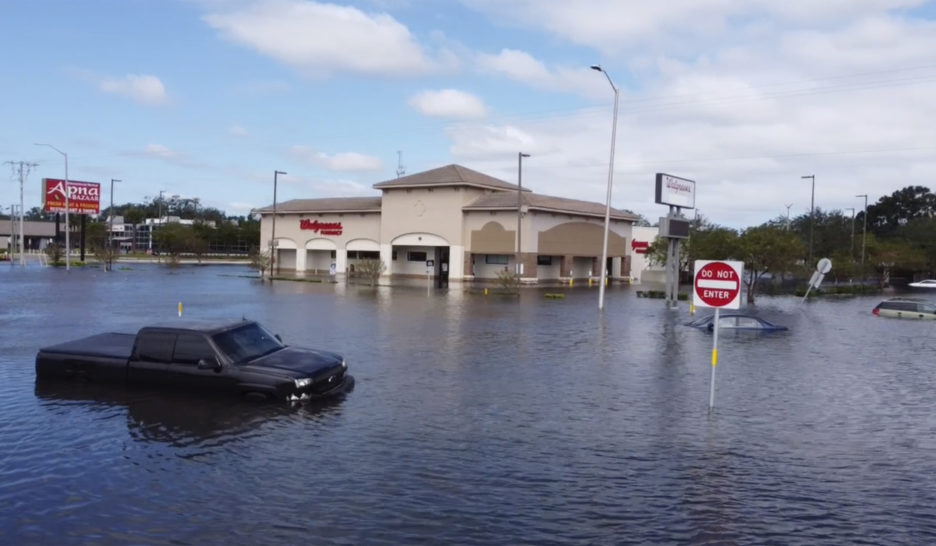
point(174, 240)
point(766, 248)
point(887, 215)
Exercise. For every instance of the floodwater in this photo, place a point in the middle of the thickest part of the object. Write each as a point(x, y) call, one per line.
point(475, 420)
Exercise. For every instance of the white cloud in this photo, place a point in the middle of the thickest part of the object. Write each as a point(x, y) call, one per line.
point(145, 89)
point(619, 27)
point(320, 39)
point(238, 131)
point(342, 162)
point(448, 103)
point(160, 151)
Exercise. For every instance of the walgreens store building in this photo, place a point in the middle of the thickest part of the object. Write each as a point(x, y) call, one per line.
point(452, 223)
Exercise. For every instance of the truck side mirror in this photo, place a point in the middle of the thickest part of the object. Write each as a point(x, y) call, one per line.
point(210, 363)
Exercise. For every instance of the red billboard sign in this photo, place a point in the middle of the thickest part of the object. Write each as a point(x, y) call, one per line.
point(83, 197)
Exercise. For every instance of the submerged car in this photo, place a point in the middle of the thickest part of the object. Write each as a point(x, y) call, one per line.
point(925, 283)
point(908, 308)
point(736, 321)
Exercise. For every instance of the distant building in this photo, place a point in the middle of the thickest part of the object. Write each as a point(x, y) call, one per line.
point(38, 234)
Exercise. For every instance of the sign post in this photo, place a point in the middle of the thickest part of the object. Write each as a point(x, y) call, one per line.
point(717, 284)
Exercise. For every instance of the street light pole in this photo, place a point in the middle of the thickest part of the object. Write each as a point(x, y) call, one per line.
point(851, 251)
point(812, 215)
point(864, 229)
point(520, 156)
point(67, 197)
point(273, 233)
point(607, 219)
point(110, 231)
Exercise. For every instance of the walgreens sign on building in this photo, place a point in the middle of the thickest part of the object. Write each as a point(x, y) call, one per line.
point(83, 197)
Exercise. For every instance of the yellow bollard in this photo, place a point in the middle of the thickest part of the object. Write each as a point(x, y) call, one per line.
point(180, 308)
point(571, 282)
point(589, 281)
point(485, 291)
point(691, 309)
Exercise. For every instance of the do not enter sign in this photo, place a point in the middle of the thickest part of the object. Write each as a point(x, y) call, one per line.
point(717, 284)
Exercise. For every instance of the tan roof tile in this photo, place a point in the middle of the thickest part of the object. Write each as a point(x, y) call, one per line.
point(450, 175)
point(328, 204)
point(536, 201)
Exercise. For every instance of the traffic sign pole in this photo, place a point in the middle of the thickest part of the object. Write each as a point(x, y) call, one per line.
point(717, 284)
point(711, 399)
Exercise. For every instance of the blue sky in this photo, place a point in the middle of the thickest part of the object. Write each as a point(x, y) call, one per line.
point(206, 98)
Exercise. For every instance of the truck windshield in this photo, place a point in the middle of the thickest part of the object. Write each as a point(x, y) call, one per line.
point(247, 342)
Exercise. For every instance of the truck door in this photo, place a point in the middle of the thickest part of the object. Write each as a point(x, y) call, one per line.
point(185, 371)
point(149, 363)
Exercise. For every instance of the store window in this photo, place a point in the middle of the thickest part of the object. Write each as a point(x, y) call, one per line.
point(544, 260)
point(496, 259)
point(416, 256)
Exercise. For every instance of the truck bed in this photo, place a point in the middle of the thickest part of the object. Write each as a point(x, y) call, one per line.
point(96, 358)
point(109, 345)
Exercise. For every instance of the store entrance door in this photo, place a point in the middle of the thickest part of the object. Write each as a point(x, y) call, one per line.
point(442, 270)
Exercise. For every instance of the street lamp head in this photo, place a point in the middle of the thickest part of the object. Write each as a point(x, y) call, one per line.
point(597, 67)
point(280, 172)
point(524, 155)
point(808, 176)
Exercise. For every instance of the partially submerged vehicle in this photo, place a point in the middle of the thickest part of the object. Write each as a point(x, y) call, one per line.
point(736, 321)
point(239, 357)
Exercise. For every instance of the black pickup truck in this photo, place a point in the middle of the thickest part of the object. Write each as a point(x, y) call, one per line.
point(238, 357)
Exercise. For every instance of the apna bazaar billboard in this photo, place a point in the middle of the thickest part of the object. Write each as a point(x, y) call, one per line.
point(83, 197)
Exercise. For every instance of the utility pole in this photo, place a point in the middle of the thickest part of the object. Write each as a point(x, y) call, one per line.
point(851, 251)
point(788, 216)
point(21, 168)
point(864, 229)
point(812, 215)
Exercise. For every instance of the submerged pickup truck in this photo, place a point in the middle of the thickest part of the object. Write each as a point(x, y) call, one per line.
point(238, 357)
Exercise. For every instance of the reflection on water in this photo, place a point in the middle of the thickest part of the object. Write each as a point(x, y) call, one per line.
point(183, 420)
point(475, 420)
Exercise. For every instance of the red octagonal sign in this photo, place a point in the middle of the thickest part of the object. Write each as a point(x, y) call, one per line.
point(717, 284)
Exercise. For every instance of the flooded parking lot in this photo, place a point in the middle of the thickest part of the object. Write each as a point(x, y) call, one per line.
point(475, 420)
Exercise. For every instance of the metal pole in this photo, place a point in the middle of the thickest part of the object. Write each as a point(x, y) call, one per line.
point(812, 214)
point(607, 219)
point(273, 234)
point(110, 231)
point(864, 229)
point(22, 230)
point(711, 402)
point(851, 250)
point(520, 156)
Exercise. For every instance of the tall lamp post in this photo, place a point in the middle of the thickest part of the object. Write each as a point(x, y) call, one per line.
point(864, 228)
point(607, 219)
point(812, 214)
point(67, 228)
point(110, 215)
point(851, 250)
point(520, 156)
point(273, 232)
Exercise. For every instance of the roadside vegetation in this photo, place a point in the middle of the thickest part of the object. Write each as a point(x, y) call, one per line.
point(208, 232)
point(900, 242)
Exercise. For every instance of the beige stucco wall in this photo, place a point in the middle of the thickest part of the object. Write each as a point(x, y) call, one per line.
point(426, 210)
point(354, 226)
point(583, 236)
